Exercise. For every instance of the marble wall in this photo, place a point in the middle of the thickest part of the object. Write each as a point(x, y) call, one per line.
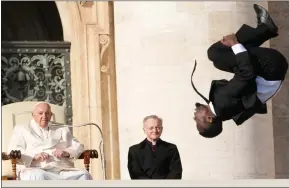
point(279, 10)
point(156, 44)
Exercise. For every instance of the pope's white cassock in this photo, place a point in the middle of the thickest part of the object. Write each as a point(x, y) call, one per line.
point(31, 139)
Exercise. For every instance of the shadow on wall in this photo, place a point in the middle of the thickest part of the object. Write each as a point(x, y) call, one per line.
point(280, 13)
point(30, 21)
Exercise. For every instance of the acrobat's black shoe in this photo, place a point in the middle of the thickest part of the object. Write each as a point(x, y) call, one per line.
point(264, 17)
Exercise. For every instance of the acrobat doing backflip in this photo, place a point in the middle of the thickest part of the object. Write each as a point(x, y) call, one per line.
point(258, 76)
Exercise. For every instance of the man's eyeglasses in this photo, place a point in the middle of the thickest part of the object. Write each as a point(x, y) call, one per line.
point(152, 128)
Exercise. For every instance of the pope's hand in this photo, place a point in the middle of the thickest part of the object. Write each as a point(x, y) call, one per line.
point(60, 153)
point(41, 157)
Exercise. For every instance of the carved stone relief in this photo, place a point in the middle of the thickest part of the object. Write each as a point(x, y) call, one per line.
point(31, 72)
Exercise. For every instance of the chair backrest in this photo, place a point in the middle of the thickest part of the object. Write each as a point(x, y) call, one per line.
point(21, 113)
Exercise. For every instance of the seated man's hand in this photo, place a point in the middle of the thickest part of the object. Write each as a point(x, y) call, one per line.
point(40, 157)
point(60, 153)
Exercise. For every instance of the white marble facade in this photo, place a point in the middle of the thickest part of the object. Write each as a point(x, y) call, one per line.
point(156, 44)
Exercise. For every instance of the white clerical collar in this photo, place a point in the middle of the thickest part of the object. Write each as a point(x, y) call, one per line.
point(45, 128)
point(212, 108)
point(33, 122)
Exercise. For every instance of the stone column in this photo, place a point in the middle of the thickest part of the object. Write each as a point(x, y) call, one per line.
point(156, 45)
point(279, 11)
point(88, 26)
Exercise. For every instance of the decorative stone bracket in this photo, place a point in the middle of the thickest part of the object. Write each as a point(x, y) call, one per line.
point(86, 3)
point(104, 41)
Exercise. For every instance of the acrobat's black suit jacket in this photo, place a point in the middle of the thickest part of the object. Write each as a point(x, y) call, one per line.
point(237, 99)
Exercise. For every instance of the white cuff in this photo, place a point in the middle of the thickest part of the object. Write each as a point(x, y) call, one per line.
point(212, 108)
point(238, 48)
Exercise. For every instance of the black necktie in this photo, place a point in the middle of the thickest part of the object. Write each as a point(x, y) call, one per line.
point(207, 101)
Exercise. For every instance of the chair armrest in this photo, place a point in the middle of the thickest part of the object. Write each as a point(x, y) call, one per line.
point(91, 153)
point(87, 155)
point(14, 154)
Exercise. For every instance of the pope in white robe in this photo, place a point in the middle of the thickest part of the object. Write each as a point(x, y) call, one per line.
point(47, 153)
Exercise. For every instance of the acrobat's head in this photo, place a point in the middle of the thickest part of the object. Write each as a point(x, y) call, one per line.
point(208, 124)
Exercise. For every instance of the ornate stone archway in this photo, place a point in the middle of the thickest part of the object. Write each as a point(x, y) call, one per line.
point(89, 27)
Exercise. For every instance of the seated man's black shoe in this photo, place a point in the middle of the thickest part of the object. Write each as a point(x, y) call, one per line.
point(264, 17)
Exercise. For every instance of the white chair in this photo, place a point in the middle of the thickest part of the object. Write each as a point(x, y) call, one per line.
point(19, 113)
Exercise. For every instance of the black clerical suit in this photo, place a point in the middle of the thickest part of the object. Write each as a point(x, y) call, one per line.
point(237, 99)
point(161, 161)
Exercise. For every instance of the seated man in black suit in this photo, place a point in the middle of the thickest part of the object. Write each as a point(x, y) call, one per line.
point(258, 76)
point(154, 158)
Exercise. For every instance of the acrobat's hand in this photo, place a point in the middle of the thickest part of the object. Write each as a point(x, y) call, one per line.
point(229, 40)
